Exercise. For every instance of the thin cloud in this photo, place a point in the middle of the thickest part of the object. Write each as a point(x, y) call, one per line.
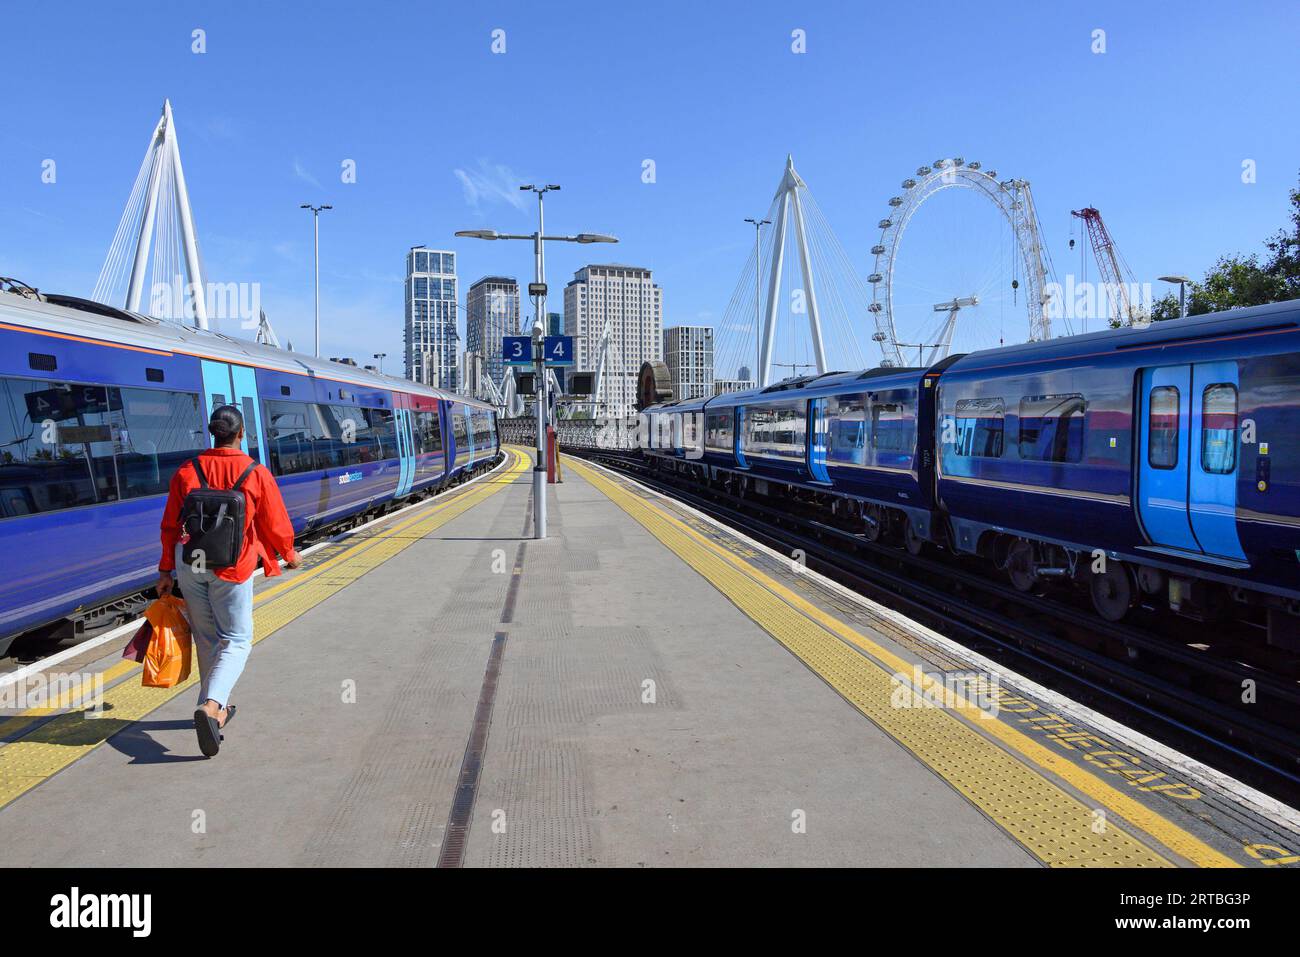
point(302, 173)
point(490, 183)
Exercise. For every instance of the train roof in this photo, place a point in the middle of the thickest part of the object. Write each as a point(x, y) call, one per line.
point(808, 386)
point(70, 315)
point(1208, 325)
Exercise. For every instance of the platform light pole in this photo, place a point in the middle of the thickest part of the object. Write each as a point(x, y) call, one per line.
point(1182, 292)
point(315, 219)
point(381, 356)
point(758, 291)
point(537, 290)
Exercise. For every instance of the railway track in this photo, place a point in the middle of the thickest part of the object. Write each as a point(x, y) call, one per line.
point(1225, 699)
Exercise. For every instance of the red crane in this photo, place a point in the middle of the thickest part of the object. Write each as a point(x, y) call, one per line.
point(1115, 274)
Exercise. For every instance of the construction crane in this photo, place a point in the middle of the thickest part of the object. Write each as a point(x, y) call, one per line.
point(1115, 275)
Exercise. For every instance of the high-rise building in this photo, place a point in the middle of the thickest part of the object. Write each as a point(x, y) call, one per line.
point(431, 339)
point(554, 324)
point(627, 302)
point(492, 305)
point(725, 386)
point(688, 353)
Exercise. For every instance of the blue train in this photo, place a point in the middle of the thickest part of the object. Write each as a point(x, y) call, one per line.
point(98, 407)
point(1155, 466)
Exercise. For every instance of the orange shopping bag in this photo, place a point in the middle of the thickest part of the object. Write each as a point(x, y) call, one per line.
point(167, 659)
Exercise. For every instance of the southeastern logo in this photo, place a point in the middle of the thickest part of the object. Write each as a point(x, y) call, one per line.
point(347, 477)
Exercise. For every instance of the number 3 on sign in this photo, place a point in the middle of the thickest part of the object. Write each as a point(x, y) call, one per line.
point(517, 350)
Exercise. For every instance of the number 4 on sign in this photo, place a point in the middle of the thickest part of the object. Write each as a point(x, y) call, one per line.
point(559, 350)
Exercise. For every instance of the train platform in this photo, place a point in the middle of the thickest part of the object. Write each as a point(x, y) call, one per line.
point(642, 688)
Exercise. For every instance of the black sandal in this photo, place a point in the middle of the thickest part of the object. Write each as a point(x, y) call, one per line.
point(209, 732)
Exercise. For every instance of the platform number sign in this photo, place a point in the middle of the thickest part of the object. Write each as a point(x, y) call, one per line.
point(517, 350)
point(558, 350)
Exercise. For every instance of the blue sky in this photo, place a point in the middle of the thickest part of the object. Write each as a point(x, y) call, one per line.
point(1154, 132)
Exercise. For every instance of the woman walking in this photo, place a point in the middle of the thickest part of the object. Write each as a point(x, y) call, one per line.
point(219, 598)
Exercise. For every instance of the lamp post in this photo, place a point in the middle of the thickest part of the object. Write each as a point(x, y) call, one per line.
point(315, 218)
point(381, 356)
point(538, 291)
point(1182, 292)
point(758, 290)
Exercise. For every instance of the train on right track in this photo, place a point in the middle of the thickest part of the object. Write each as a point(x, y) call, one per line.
point(1156, 466)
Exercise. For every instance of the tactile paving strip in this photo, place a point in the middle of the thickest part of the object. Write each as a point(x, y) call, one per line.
point(1056, 827)
point(64, 739)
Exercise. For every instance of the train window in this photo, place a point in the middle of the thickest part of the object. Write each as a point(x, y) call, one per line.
point(892, 428)
point(384, 431)
point(250, 428)
point(846, 422)
point(157, 432)
point(482, 422)
point(1219, 428)
point(56, 447)
point(1162, 427)
point(345, 438)
point(777, 429)
point(428, 433)
point(297, 438)
point(1052, 428)
point(719, 431)
point(348, 438)
point(979, 425)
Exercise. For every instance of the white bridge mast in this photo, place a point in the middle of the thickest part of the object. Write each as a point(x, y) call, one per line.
point(164, 179)
point(787, 200)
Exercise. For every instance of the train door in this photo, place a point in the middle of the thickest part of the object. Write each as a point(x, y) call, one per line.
point(738, 437)
point(818, 440)
point(1187, 458)
point(405, 451)
point(226, 384)
point(470, 437)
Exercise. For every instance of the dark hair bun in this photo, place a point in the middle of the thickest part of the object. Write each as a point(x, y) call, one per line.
point(225, 422)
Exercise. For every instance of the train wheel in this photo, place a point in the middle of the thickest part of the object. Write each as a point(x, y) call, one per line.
point(1112, 591)
point(913, 542)
point(1022, 566)
point(873, 523)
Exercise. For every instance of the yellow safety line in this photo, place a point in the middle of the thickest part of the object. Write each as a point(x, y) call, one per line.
point(1055, 826)
point(58, 743)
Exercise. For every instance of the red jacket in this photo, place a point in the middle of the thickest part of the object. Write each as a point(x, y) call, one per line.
point(267, 529)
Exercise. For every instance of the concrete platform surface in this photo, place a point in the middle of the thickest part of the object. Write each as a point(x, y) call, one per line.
point(628, 692)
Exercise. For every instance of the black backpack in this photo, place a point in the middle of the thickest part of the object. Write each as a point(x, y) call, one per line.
point(214, 520)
